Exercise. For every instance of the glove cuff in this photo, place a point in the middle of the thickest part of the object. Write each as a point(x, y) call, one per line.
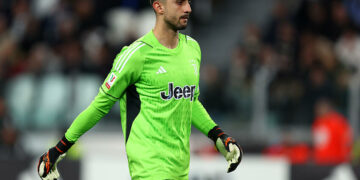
point(214, 133)
point(63, 146)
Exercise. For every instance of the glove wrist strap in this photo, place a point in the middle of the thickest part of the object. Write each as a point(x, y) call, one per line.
point(215, 132)
point(63, 145)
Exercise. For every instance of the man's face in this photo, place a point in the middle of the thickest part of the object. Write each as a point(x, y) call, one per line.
point(176, 13)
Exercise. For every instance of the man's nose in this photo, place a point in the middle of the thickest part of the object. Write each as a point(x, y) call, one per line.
point(187, 7)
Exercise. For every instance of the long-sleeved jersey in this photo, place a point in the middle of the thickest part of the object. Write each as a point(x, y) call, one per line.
point(158, 90)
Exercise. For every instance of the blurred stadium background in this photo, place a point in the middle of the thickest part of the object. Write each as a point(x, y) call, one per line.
point(269, 69)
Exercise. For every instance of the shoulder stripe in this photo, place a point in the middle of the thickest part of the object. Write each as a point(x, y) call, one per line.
point(124, 54)
point(127, 58)
point(118, 57)
point(190, 38)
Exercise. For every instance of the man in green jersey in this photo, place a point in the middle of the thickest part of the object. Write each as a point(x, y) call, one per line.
point(157, 76)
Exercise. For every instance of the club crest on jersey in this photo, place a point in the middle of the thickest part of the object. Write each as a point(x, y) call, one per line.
point(178, 92)
point(110, 81)
point(196, 70)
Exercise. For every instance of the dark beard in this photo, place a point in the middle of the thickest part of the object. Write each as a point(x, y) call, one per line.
point(174, 27)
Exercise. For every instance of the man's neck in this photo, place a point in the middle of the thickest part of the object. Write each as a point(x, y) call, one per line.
point(166, 36)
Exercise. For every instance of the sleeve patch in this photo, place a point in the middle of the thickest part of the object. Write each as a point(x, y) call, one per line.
point(110, 81)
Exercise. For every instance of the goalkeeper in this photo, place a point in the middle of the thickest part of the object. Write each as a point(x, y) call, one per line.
point(157, 77)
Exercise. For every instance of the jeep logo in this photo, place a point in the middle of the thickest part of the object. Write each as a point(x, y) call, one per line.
point(178, 92)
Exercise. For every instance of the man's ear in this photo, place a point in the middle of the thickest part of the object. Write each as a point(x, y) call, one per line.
point(158, 7)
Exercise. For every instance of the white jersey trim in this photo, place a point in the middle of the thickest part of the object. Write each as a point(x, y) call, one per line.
point(190, 38)
point(129, 56)
point(125, 54)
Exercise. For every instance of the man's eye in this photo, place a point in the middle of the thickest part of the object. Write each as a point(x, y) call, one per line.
point(179, 2)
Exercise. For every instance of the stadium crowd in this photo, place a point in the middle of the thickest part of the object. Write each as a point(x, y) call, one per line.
point(282, 72)
point(304, 55)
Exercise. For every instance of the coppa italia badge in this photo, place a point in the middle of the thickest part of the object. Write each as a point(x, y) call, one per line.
point(110, 81)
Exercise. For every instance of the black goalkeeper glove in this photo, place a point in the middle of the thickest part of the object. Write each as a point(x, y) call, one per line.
point(227, 146)
point(47, 166)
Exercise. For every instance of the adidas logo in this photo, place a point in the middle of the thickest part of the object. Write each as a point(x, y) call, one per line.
point(161, 70)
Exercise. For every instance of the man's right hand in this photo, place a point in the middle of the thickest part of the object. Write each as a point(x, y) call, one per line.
point(47, 166)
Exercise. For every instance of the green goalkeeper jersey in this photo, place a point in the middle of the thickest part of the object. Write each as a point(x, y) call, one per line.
point(158, 90)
